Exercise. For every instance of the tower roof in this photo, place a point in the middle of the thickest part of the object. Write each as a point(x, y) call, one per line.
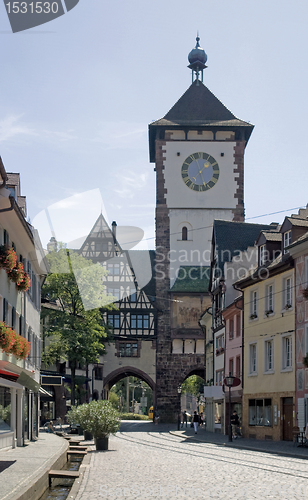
point(198, 108)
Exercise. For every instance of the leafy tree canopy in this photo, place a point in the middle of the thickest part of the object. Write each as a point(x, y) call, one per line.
point(77, 331)
point(192, 385)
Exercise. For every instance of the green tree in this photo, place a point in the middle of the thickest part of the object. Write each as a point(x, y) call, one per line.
point(114, 399)
point(192, 385)
point(71, 299)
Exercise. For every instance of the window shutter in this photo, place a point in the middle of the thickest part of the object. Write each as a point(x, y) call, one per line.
point(301, 414)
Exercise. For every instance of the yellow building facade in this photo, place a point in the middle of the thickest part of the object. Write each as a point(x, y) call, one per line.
point(268, 349)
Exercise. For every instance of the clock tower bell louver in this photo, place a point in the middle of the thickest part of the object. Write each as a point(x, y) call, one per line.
point(198, 150)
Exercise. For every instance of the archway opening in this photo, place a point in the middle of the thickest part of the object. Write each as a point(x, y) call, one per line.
point(192, 390)
point(131, 395)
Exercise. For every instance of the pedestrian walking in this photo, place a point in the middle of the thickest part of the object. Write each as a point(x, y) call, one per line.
point(235, 422)
point(196, 421)
point(184, 418)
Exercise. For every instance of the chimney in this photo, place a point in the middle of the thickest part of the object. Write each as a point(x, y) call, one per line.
point(114, 230)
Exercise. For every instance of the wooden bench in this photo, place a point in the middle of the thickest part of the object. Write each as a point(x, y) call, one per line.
point(77, 448)
point(67, 474)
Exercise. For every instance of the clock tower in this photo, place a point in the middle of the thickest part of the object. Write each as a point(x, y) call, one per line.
point(198, 150)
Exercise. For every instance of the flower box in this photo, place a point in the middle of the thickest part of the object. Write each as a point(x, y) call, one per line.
point(15, 270)
point(12, 343)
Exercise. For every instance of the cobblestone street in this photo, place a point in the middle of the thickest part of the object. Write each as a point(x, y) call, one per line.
point(145, 461)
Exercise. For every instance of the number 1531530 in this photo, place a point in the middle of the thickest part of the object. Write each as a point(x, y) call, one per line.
point(32, 7)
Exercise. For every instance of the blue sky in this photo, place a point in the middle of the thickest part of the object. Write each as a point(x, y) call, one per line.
point(77, 95)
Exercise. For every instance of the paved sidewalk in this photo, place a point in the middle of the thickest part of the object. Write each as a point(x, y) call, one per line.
point(287, 448)
point(22, 467)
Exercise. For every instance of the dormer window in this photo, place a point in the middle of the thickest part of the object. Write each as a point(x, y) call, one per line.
point(262, 255)
point(286, 240)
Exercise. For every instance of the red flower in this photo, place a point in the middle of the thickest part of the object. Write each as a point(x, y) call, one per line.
point(11, 342)
point(25, 282)
point(8, 258)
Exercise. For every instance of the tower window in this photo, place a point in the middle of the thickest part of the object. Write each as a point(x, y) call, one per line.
point(184, 233)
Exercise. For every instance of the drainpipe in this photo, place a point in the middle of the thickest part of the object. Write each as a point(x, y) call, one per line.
point(241, 309)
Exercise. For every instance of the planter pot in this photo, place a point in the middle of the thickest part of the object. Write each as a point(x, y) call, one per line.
point(80, 431)
point(87, 436)
point(101, 444)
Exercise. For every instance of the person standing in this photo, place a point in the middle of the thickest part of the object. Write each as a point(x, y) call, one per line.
point(196, 421)
point(235, 422)
point(184, 418)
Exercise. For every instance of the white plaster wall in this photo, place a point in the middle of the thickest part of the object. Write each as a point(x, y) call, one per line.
point(196, 250)
point(179, 195)
point(145, 363)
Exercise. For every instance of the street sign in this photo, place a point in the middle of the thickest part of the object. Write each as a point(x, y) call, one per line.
point(236, 382)
point(143, 401)
point(51, 380)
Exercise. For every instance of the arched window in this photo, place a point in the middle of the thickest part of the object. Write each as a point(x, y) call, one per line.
point(184, 233)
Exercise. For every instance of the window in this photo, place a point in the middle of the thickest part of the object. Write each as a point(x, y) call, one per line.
point(115, 292)
point(286, 240)
point(114, 320)
point(269, 355)
point(238, 366)
point(139, 321)
point(13, 318)
point(262, 258)
point(5, 310)
point(287, 293)
point(128, 349)
point(220, 344)
point(219, 377)
point(133, 295)
point(231, 329)
point(253, 304)
point(238, 325)
point(113, 269)
point(231, 365)
point(6, 239)
point(287, 353)
point(253, 359)
point(98, 373)
point(184, 233)
point(269, 300)
point(260, 412)
point(101, 246)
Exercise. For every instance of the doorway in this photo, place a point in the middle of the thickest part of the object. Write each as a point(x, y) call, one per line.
point(287, 411)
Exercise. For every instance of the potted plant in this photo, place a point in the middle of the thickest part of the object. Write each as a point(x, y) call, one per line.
point(268, 312)
point(101, 419)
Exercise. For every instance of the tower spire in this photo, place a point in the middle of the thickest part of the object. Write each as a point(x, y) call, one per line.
point(197, 59)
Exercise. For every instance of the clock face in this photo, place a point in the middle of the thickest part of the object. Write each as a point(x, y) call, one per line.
point(200, 171)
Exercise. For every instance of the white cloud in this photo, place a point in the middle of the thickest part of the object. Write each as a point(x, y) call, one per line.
point(121, 135)
point(10, 127)
point(128, 184)
point(13, 126)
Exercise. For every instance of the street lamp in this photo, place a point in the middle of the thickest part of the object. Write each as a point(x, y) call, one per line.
point(179, 413)
point(229, 383)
